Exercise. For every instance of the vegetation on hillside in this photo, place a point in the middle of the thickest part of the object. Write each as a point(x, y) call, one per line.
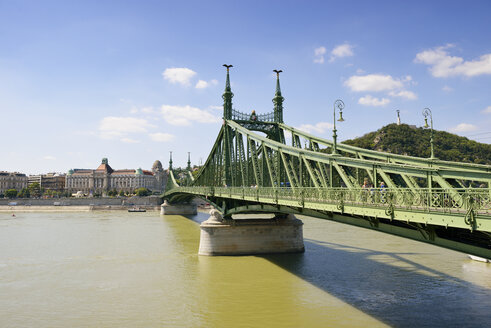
point(406, 140)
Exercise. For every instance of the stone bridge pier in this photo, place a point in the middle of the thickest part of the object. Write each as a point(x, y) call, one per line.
point(250, 236)
point(178, 209)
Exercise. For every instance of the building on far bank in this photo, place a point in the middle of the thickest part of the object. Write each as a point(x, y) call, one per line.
point(53, 181)
point(12, 180)
point(50, 181)
point(105, 178)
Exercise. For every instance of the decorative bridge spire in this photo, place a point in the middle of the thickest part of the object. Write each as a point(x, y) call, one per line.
point(227, 96)
point(189, 162)
point(278, 99)
point(170, 161)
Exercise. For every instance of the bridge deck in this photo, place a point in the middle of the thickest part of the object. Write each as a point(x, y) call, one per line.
point(425, 207)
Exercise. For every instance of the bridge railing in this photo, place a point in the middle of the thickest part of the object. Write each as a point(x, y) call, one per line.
point(424, 199)
point(239, 116)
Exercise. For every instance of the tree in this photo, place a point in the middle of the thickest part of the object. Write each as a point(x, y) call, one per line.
point(24, 193)
point(112, 193)
point(409, 140)
point(142, 192)
point(121, 193)
point(35, 189)
point(11, 193)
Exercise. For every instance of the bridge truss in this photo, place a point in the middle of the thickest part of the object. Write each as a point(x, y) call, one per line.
point(286, 170)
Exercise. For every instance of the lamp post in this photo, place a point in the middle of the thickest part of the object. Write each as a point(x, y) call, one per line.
point(426, 113)
point(339, 104)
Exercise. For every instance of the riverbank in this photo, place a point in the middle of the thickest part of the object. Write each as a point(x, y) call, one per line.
point(84, 201)
point(73, 208)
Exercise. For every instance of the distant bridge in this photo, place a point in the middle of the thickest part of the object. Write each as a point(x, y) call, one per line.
point(288, 171)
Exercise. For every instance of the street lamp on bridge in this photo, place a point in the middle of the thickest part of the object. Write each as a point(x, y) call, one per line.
point(339, 104)
point(426, 113)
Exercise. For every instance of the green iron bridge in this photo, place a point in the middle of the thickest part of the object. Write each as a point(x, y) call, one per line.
point(286, 171)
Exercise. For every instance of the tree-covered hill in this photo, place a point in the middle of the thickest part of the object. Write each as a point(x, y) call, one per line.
point(409, 140)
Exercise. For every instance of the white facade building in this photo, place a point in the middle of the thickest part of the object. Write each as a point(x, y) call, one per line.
point(104, 178)
point(12, 180)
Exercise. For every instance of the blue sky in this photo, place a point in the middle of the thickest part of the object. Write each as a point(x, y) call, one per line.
point(133, 80)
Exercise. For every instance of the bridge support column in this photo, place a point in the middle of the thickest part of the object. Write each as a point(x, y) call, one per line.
point(178, 209)
point(250, 236)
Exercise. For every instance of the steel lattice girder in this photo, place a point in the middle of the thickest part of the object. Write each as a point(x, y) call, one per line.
point(396, 168)
point(388, 157)
point(267, 162)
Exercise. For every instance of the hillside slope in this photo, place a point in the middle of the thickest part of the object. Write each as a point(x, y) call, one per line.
point(406, 140)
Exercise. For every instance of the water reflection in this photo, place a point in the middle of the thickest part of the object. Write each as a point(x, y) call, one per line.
point(389, 287)
point(397, 281)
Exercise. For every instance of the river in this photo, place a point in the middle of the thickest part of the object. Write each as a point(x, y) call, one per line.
point(119, 269)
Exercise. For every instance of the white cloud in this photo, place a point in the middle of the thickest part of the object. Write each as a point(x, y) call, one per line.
point(464, 127)
point(129, 140)
point(161, 137)
point(181, 75)
point(447, 89)
point(486, 110)
point(373, 101)
point(374, 83)
point(201, 84)
point(343, 50)
point(147, 110)
point(118, 127)
point(360, 71)
point(219, 108)
point(404, 94)
point(184, 115)
point(319, 55)
point(49, 158)
point(444, 65)
point(320, 127)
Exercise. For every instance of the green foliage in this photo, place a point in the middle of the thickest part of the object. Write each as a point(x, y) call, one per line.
point(195, 171)
point(52, 193)
point(405, 140)
point(35, 189)
point(112, 193)
point(142, 192)
point(121, 193)
point(11, 193)
point(24, 193)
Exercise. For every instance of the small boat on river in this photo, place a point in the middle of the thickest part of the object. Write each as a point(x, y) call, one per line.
point(480, 259)
point(136, 209)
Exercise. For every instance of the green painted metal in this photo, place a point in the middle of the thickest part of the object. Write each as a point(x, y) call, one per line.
point(387, 157)
point(278, 99)
point(435, 206)
point(426, 113)
point(424, 199)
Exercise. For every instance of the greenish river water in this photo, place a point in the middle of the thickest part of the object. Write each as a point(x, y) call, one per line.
point(119, 269)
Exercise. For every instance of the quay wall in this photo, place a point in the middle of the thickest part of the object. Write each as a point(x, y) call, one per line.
point(71, 208)
point(72, 201)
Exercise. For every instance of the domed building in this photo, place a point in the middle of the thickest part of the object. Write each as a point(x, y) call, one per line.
point(104, 178)
point(160, 174)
